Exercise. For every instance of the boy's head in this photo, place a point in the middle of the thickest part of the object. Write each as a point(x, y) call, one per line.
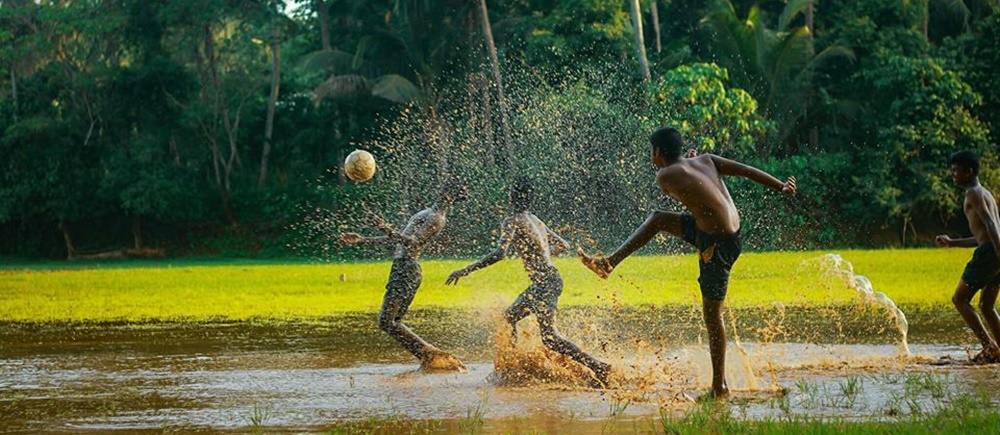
point(666, 142)
point(521, 195)
point(964, 167)
point(452, 191)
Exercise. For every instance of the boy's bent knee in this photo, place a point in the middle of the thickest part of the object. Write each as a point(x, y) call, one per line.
point(551, 341)
point(960, 300)
point(386, 323)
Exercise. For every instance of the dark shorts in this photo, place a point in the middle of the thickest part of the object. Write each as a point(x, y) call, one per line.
point(404, 280)
point(983, 269)
point(716, 255)
point(542, 297)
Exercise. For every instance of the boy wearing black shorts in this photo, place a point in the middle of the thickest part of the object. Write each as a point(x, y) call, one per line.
point(983, 271)
point(712, 226)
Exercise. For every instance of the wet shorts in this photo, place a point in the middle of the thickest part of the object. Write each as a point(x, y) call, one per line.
point(541, 297)
point(983, 269)
point(716, 255)
point(404, 280)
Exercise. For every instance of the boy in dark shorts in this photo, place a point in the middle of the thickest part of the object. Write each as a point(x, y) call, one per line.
point(712, 226)
point(406, 275)
point(532, 240)
point(983, 271)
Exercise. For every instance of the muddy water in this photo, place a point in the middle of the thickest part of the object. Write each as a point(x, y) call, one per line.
point(313, 376)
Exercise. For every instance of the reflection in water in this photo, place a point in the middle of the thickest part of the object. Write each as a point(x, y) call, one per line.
point(307, 376)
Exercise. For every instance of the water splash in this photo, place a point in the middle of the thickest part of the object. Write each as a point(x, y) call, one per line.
point(843, 269)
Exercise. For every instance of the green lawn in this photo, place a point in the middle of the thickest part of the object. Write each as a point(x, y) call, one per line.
point(235, 291)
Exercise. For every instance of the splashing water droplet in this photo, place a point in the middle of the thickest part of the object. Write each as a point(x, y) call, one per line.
point(841, 268)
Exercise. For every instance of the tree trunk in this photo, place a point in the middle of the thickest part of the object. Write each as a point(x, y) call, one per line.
point(656, 23)
point(221, 166)
point(927, 18)
point(13, 91)
point(640, 45)
point(272, 102)
point(324, 22)
point(64, 228)
point(497, 77)
point(481, 91)
point(809, 19)
point(137, 232)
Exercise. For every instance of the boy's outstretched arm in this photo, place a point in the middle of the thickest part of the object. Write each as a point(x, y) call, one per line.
point(557, 243)
point(486, 261)
point(358, 239)
point(947, 242)
point(732, 167)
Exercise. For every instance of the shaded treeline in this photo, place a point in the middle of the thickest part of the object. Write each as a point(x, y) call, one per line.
point(217, 126)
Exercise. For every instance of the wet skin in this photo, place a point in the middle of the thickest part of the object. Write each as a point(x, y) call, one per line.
point(405, 278)
point(696, 182)
point(532, 240)
point(981, 211)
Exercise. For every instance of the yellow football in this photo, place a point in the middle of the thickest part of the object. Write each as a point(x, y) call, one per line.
point(359, 165)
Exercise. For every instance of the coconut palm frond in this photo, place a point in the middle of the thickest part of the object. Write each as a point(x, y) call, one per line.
point(330, 61)
point(342, 86)
point(395, 88)
point(957, 9)
point(791, 11)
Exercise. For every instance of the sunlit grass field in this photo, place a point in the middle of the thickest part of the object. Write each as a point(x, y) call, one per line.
point(185, 291)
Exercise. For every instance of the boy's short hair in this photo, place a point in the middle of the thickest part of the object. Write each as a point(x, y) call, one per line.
point(965, 159)
point(668, 141)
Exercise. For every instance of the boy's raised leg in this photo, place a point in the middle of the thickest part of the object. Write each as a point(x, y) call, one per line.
point(656, 222)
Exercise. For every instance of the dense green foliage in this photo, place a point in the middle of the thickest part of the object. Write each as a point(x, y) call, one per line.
point(220, 126)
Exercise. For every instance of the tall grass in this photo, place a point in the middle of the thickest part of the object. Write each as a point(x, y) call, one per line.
point(240, 291)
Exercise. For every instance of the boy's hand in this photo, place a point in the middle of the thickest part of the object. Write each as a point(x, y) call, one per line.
point(943, 241)
point(350, 238)
point(453, 278)
point(788, 187)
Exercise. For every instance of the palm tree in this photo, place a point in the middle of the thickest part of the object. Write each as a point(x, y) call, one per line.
point(640, 45)
point(965, 11)
point(776, 66)
point(491, 50)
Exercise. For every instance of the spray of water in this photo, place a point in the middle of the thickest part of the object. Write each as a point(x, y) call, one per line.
point(838, 267)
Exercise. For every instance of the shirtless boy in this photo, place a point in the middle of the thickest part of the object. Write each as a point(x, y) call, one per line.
point(406, 275)
point(712, 226)
point(983, 271)
point(532, 240)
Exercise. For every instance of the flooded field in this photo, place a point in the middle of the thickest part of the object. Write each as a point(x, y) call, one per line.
point(293, 377)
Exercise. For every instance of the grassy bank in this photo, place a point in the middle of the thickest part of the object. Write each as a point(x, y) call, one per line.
point(966, 414)
point(236, 291)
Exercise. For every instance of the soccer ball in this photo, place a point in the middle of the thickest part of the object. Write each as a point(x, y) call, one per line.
point(359, 165)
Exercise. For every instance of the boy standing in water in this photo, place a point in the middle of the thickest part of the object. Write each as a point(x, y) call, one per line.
point(983, 271)
point(523, 232)
point(406, 276)
point(712, 226)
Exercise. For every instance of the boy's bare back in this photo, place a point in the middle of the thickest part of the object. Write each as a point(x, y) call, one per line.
point(697, 183)
point(981, 210)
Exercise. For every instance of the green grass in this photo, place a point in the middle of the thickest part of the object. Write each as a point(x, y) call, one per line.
point(152, 291)
point(981, 418)
point(979, 421)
